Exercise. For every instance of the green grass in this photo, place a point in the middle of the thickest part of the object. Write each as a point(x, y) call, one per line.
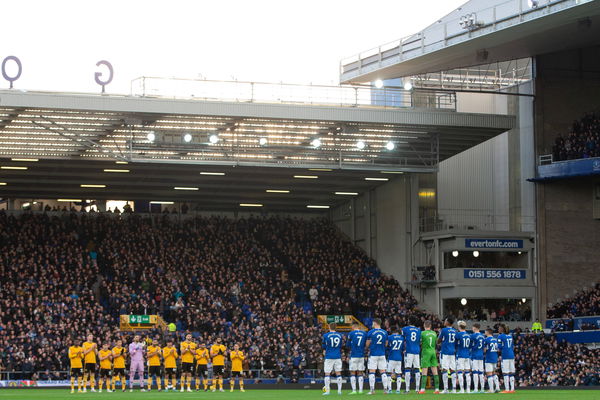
point(59, 394)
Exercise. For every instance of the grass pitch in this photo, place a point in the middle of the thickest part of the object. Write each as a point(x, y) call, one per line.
point(60, 394)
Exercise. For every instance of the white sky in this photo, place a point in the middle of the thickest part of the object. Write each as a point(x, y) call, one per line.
point(60, 41)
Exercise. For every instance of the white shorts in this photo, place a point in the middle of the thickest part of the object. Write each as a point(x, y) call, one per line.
point(448, 362)
point(331, 365)
point(463, 364)
point(412, 361)
point(394, 367)
point(357, 364)
point(477, 365)
point(377, 362)
point(490, 367)
point(508, 366)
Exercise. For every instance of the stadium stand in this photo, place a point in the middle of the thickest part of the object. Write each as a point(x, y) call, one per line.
point(582, 142)
point(543, 361)
point(75, 272)
point(256, 281)
point(584, 303)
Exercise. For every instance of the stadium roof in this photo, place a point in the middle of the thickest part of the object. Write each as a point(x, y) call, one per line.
point(481, 32)
point(76, 137)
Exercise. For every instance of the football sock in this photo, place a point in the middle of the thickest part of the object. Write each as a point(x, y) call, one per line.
point(372, 381)
point(205, 383)
point(506, 380)
point(198, 383)
point(72, 383)
point(461, 381)
point(232, 383)
point(482, 380)
point(436, 382)
point(423, 381)
point(174, 383)
point(512, 382)
point(453, 377)
point(353, 382)
point(339, 384)
point(149, 383)
point(497, 382)
point(475, 381)
point(158, 383)
point(384, 379)
point(361, 383)
point(327, 383)
point(468, 380)
point(241, 383)
point(93, 381)
point(445, 379)
point(407, 379)
point(79, 383)
point(398, 383)
point(417, 379)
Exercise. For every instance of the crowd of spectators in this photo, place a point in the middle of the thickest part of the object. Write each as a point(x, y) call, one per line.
point(259, 282)
point(584, 303)
point(543, 361)
point(582, 142)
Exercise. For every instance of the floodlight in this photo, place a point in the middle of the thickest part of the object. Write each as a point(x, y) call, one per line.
point(262, 141)
point(151, 136)
point(463, 301)
point(455, 253)
point(378, 83)
point(390, 146)
point(214, 139)
point(360, 145)
point(187, 138)
point(475, 253)
point(316, 143)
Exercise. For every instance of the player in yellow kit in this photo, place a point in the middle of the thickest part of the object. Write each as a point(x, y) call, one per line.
point(169, 353)
point(105, 356)
point(90, 349)
point(76, 360)
point(237, 359)
point(154, 353)
point(217, 352)
point(202, 359)
point(118, 353)
point(188, 352)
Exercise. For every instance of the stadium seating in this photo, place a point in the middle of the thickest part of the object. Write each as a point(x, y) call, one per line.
point(585, 302)
point(258, 281)
point(542, 361)
point(582, 142)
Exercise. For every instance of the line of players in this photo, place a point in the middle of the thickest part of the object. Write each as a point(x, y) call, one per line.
point(194, 359)
point(465, 358)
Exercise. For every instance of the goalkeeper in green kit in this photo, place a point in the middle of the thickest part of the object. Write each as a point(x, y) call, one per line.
point(428, 357)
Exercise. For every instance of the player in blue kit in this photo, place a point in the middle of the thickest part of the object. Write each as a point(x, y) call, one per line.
point(395, 349)
point(356, 341)
point(463, 357)
point(505, 341)
point(477, 358)
point(412, 337)
point(377, 342)
point(332, 346)
point(448, 353)
point(490, 345)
